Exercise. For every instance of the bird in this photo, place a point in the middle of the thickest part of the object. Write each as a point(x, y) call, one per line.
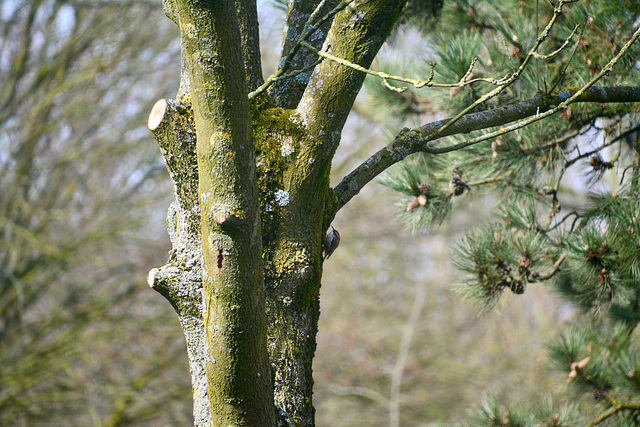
point(331, 242)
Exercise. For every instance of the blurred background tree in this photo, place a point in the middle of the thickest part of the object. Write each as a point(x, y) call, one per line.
point(82, 200)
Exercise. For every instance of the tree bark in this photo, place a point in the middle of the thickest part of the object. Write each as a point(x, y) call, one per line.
point(245, 270)
point(233, 300)
point(180, 280)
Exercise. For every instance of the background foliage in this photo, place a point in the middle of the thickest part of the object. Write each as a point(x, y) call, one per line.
point(82, 340)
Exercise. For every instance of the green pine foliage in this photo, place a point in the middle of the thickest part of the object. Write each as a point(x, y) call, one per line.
point(566, 188)
point(420, 179)
point(489, 412)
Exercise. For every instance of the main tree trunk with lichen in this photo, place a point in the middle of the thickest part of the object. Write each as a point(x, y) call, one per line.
point(253, 202)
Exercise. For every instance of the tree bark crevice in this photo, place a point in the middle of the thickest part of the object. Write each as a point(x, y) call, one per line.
point(286, 92)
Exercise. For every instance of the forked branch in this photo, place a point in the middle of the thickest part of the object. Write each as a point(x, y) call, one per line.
point(312, 25)
point(411, 141)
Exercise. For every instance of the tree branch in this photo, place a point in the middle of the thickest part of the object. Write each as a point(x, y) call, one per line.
point(356, 35)
point(417, 83)
point(541, 277)
point(415, 140)
point(250, 41)
point(617, 407)
point(237, 369)
point(508, 81)
point(288, 90)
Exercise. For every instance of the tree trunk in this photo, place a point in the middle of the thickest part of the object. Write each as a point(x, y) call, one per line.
point(252, 204)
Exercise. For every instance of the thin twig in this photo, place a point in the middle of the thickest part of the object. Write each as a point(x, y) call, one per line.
point(385, 76)
point(564, 218)
point(568, 61)
point(613, 410)
point(589, 153)
point(552, 272)
point(403, 354)
point(558, 50)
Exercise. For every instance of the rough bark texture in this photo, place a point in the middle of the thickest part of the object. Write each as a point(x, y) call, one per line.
point(230, 232)
point(293, 275)
point(238, 380)
point(180, 280)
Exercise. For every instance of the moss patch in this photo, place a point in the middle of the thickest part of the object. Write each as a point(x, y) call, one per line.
point(277, 136)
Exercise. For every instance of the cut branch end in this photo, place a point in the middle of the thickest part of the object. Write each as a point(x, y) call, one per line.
point(157, 114)
point(151, 278)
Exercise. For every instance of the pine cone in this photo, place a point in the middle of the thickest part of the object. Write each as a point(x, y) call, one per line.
point(458, 186)
point(424, 189)
point(517, 287)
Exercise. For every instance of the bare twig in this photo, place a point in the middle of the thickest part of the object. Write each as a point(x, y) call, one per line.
point(417, 83)
point(464, 81)
point(403, 354)
point(558, 50)
point(552, 272)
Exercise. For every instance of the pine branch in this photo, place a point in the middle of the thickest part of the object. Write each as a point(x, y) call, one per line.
point(508, 81)
point(558, 50)
point(411, 141)
point(530, 111)
point(612, 411)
